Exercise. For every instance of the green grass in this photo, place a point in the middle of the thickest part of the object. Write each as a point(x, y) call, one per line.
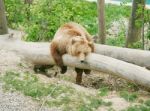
point(103, 91)
point(141, 107)
point(128, 96)
point(138, 108)
point(58, 95)
point(147, 102)
point(95, 103)
point(27, 84)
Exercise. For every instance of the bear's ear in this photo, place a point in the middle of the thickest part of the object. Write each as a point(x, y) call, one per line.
point(90, 43)
point(74, 40)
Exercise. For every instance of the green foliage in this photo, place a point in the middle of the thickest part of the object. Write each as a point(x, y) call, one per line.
point(95, 103)
point(139, 15)
point(113, 13)
point(16, 12)
point(103, 91)
point(120, 41)
point(123, 2)
point(138, 108)
point(147, 103)
point(132, 86)
point(47, 15)
point(117, 41)
point(148, 34)
point(147, 20)
point(136, 45)
point(128, 96)
point(111, 109)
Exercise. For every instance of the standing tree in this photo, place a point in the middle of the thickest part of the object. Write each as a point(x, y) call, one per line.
point(28, 3)
point(3, 21)
point(101, 21)
point(135, 22)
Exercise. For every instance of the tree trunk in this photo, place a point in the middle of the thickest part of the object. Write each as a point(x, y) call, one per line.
point(28, 7)
point(101, 21)
point(135, 22)
point(3, 21)
point(39, 53)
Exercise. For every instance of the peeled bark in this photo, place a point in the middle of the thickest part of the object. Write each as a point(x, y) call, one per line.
point(39, 53)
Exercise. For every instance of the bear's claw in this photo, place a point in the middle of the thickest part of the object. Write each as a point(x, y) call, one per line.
point(63, 69)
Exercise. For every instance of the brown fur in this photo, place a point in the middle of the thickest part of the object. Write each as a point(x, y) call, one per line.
point(73, 39)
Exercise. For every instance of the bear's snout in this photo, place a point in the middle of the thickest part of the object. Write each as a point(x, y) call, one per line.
point(82, 57)
point(82, 61)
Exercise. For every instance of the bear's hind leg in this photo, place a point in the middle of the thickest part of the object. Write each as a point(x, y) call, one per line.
point(42, 69)
point(79, 75)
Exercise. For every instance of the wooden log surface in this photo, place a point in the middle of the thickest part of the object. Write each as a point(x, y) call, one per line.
point(134, 56)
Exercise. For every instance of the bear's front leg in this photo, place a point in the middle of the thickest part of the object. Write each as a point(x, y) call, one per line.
point(79, 75)
point(59, 62)
point(58, 57)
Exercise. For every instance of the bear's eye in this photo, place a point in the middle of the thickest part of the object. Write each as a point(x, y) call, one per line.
point(78, 53)
point(86, 53)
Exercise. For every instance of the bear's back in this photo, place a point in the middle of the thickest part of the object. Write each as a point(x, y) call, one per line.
point(71, 29)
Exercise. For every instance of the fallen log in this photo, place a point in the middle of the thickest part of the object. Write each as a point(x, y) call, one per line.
point(134, 56)
point(38, 53)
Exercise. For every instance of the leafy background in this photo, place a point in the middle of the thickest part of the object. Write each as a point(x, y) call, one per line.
point(41, 19)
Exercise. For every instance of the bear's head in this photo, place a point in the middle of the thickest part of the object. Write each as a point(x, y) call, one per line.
point(80, 47)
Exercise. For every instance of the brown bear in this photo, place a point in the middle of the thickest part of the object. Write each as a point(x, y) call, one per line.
point(71, 38)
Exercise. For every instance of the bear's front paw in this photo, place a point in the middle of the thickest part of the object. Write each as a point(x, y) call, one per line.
point(87, 71)
point(63, 69)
